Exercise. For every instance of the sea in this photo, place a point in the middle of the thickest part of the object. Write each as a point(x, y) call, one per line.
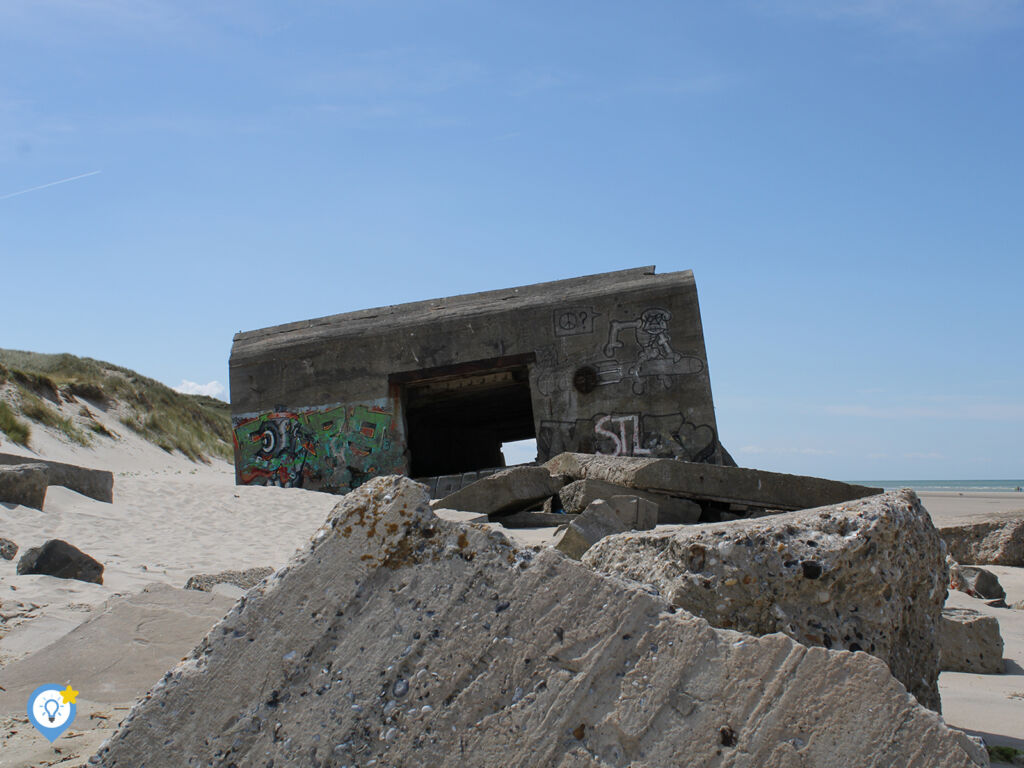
point(955, 486)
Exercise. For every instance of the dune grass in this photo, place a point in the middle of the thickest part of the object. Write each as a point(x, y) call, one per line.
point(1003, 754)
point(196, 425)
point(16, 429)
point(34, 408)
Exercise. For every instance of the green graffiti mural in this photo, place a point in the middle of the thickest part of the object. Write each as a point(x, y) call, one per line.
point(331, 448)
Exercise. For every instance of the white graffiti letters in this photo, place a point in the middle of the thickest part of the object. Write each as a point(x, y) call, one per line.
point(623, 447)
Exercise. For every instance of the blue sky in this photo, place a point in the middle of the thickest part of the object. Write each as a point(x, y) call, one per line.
point(844, 178)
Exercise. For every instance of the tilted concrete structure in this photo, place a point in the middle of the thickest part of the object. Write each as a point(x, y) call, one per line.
point(612, 363)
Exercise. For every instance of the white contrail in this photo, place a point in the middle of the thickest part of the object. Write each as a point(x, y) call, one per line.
point(51, 184)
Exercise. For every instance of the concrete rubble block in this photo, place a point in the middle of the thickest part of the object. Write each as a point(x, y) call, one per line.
point(458, 516)
point(862, 576)
point(974, 581)
point(23, 484)
point(65, 561)
point(672, 510)
point(447, 485)
point(710, 482)
point(635, 513)
point(398, 639)
point(95, 483)
point(504, 492)
point(204, 582)
point(999, 541)
point(970, 642)
point(8, 549)
point(535, 519)
point(597, 521)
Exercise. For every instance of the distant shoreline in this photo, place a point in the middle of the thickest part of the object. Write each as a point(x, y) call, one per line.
point(949, 486)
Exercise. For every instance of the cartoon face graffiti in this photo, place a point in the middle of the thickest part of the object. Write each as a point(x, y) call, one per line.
point(651, 334)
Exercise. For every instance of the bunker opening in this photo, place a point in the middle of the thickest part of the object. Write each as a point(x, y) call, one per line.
point(458, 418)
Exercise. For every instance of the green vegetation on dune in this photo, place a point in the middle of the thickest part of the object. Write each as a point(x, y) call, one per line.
point(1004, 754)
point(34, 408)
point(16, 429)
point(195, 425)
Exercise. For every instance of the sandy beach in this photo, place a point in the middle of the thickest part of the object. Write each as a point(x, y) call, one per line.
point(172, 519)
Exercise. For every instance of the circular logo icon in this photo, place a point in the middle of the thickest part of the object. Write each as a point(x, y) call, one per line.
point(51, 709)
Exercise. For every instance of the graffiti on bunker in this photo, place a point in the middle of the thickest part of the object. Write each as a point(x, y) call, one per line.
point(630, 434)
point(651, 349)
point(330, 448)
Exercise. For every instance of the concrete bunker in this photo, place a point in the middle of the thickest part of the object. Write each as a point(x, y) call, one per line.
point(613, 363)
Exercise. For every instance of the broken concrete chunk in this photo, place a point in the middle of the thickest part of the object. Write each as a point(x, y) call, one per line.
point(974, 581)
point(23, 484)
point(709, 481)
point(672, 510)
point(8, 549)
point(535, 519)
point(396, 638)
point(205, 582)
point(862, 576)
point(65, 561)
point(999, 541)
point(458, 516)
point(95, 483)
point(504, 492)
point(597, 521)
point(635, 513)
point(970, 642)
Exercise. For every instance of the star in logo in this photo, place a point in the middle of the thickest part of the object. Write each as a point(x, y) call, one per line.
point(69, 694)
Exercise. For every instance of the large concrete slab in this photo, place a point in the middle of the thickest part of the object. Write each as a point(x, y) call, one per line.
point(399, 639)
point(121, 652)
point(712, 482)
point(94, 483)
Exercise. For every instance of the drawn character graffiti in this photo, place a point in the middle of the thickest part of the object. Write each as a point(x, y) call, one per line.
point(655, 356)
point(334, 448)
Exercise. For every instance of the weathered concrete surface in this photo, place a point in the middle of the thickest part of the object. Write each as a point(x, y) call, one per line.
point(458, 516)
point(8, 549)
point(996, 541)
point(974, 581)
point(23, 484)
point(122, 651)
point(598, 520)
point(611, 363)
point(95, 483)
point(970, 642)
point(709, 481)
point(205, 582)
point(398, 638)
point(865, 576)
point(65, 561)
point(535, 519)
point(577, 495)
point(635, 513)
point(504, 492)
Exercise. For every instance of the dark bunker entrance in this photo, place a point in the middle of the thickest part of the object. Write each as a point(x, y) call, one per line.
point(457, 418)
